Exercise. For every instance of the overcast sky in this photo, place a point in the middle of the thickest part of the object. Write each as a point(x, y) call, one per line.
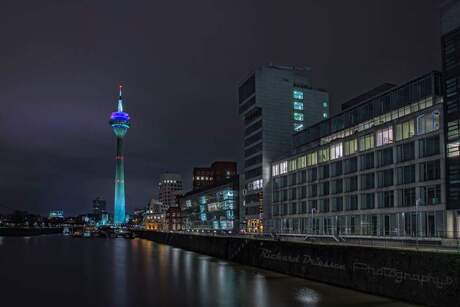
point(180, 61)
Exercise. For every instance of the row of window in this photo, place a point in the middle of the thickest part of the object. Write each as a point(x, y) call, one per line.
point(403, 153)
point(376, 121)
point(425, 123)
point(405, 197)
point(421, 224)
point(429, 170)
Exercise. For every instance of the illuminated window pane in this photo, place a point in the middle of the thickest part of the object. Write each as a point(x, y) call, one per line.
point(297, 94)
point(351, 147)
point(336, 151)
point(298, 116)
point(298, 105)
point(298, 126)
point(385, 136)
point(276, 170)
point(292, 165)
point(366, 142)
point(301, 162)
point(405, 130)
point(323, 154)
point(453, 130)
point(324, 115)
point(283, 167)
point(325, 104)
point(312, 159)
point(453, 149)
point(428, 122)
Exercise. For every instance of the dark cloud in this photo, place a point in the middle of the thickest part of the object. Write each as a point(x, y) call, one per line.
point(60, 62)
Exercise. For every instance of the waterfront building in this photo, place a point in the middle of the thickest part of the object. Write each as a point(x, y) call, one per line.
point(170, 186)
point(99, 206)
point(273, 102)
point(137, 217)
point(212, 208)
point(155, 215)
point(376, 169)
point(217, 172)
point(100, 214)
point(120, 122)
point(450, 46)
point(174, 219)
point(56, 214)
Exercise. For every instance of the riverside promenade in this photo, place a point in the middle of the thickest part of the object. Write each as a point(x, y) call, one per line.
point(422, 277)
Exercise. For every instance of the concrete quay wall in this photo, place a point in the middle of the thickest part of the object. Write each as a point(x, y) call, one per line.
point(27, 232)
point(428, 278)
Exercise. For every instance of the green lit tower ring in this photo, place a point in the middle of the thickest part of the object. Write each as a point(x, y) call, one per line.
point(120, 123)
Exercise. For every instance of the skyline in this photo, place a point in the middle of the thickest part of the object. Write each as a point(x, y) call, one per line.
point(46, 157)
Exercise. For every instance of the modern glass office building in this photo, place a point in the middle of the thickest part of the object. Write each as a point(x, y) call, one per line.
point(450, 45)
point(212, 208)
point(376, 169)
point(274, 102)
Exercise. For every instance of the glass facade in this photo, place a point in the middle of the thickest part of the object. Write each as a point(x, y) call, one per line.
point(214, 209)
point(450, 43)
point(382, 179)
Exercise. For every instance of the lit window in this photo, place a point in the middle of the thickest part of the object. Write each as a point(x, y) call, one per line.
point(276, 170)
point(298, 116)
point(298, 126)
point(325, 104)
point(323, 154)
point(453, 130)
point(405, 130)
point(255, 185)
point(336, 151)
point(292, 166)
point(297, 94)
point(351, 146)
point(453, 149)
point(385, 136)
point(301, 162)
point(298, 105)
point(366, 142)
point(283, 167)
point(428, 122)
point(324, 115)
point(312, 159)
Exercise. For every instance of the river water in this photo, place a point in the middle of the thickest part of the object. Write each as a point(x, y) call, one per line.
point(61, 271)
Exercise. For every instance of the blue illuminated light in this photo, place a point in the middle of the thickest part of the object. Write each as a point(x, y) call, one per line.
point(120, 116)
point(296, 94)
point(120, 122)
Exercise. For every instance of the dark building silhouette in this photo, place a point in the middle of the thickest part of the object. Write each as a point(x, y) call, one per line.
point(99, 206)
point(217, 172)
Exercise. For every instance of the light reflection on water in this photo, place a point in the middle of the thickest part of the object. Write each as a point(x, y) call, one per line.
point(308, 296)
point(120, 272)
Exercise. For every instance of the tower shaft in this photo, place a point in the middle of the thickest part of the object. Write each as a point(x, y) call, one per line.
point(119, 210)
point(119, 120)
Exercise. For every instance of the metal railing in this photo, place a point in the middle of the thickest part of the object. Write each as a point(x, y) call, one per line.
point(443, 243)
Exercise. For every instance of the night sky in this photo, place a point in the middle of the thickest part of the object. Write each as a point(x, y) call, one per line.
point(180, 61)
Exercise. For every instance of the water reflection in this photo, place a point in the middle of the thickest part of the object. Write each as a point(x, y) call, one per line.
point(308, 296)
point(260, 287)
point(120, 262)
point(119, 272)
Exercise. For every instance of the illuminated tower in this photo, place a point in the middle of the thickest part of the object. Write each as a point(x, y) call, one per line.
point(120, 125)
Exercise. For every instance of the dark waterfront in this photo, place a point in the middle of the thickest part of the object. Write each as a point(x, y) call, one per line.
point(59, 271)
